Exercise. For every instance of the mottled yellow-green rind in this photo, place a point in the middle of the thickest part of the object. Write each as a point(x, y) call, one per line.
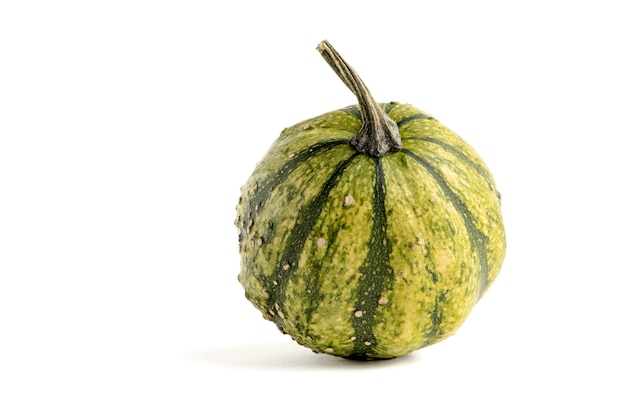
point(437, 267)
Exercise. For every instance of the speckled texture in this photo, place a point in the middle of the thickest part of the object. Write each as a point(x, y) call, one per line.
point(369, 257)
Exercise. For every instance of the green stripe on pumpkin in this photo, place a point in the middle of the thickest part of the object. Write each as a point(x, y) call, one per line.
point(469, 178)
point(376, 273)
point(388, 107)
point(354, 111)
point(260, 235)
point(479, 240)
point(265, 188)
point(413, 117)
point(480, 168)
point(288, 262)
point(320, 297)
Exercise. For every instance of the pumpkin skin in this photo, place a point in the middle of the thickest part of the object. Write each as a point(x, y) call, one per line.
point(369, 257)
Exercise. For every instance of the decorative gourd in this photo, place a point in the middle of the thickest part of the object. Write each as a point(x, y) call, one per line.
point(370, 231)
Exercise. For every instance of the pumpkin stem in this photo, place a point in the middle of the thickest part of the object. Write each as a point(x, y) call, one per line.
point(379, 134)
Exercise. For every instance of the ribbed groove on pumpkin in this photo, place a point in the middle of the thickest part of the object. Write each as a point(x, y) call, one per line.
point(376, 272)
point(263, 192)
point(413, 117)
point(478, 239)
point(461, 155)
point(288, 261)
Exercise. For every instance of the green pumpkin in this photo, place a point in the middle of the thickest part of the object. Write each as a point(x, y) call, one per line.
point(371, 231)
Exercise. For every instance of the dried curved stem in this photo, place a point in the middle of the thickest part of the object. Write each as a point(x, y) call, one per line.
point(379, 134)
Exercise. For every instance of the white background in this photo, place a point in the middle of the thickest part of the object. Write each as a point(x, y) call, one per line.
point(127, 128)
